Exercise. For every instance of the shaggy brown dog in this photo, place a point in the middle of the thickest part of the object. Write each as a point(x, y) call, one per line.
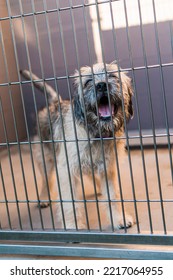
point(86, 135)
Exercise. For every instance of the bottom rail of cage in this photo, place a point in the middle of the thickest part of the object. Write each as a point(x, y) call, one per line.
point(93, 251)
point(82, 236)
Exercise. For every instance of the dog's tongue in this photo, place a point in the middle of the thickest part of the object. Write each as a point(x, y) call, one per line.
point(104, 110)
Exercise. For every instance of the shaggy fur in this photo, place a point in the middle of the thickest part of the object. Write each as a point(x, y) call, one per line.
point(102, 103)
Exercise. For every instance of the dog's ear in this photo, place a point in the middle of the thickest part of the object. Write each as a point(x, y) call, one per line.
point(129, 94)
point(130, 108)
point(114, 62)
point(130, 104)
point(79, 114)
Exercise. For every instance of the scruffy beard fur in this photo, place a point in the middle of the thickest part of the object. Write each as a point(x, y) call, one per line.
point(101, 106)
point(94, 91)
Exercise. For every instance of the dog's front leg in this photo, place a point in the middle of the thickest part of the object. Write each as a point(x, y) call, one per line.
point(112, 207)
point(70, 210)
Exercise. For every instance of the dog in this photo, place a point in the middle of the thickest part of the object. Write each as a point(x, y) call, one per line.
point(84, 137)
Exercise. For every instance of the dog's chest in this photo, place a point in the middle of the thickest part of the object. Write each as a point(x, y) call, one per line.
point(95, 155)
point(84, 154)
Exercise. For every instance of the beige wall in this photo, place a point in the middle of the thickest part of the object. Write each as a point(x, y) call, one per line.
point(7, 75)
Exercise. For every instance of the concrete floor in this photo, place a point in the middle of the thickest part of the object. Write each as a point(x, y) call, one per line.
point(31, 214)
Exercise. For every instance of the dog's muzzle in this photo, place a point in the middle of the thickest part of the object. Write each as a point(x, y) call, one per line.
point(106, 109)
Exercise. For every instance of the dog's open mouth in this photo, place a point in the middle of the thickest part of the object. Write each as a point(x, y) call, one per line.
point(105, 110)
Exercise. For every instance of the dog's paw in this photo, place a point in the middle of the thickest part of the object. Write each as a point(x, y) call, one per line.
point(45, 199)
point(127, 223)
point(43, 204)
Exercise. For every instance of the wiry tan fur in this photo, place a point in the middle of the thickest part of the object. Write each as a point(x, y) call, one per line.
point(81, 120)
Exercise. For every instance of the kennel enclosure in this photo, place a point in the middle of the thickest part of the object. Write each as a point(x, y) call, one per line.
point(52, 39)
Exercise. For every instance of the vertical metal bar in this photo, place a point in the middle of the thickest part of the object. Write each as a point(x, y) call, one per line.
point(50, 125)
point(171, 35)
point(128, 148)
point(69, 91)
point(150, 105)
point(83, 191)
point(118, 172)
point(11, 165)
point(16, 130)
point(4, 190)
point(140, 131)
point(163, 88)
point(23, 105)
point(116, 154)
point(77, 58)
point(114, 140)
point(91, 159)
point(101, 139)
point(165, 110)
point(35, 107)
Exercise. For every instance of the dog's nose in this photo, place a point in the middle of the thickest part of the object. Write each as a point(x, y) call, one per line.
point(101, 87)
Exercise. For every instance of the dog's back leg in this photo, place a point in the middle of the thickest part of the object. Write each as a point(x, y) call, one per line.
point(46, 164)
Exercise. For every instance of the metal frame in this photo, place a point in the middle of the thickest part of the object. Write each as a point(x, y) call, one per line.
point(93, 245)
point(53, 243)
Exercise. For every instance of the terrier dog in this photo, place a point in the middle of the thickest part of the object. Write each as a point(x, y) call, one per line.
point(87, 136)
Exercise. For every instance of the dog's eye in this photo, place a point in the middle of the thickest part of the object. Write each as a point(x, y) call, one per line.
point(113, 75)
point(88, 82)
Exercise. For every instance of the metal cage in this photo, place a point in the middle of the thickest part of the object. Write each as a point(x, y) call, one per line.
point(52, 39)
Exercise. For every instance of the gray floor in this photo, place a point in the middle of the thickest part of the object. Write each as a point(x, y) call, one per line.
point(31, 214)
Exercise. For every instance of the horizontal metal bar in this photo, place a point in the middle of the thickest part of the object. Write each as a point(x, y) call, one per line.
point(86, 75)
point(56, 10)
point(86, 236)
point(130, 137)
point(86, 251)
point(87, 200)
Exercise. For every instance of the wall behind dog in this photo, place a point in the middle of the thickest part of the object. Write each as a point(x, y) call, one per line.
point(54, 44)
point(12, 124)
